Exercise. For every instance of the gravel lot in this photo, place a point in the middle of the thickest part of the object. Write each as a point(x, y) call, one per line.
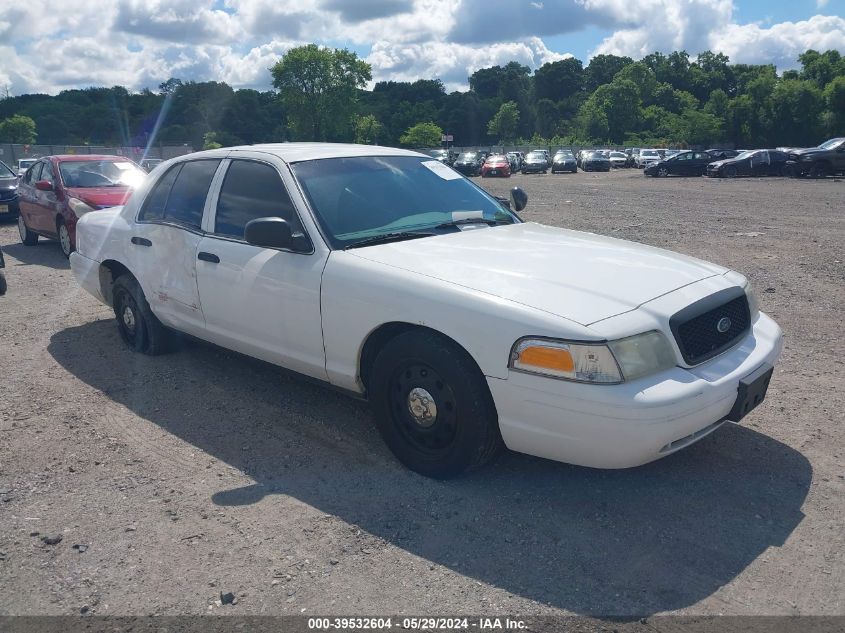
point(172, 479)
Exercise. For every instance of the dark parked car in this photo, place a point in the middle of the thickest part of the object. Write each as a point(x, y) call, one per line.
point(564, 160)
point(758, 162)
point(469, 163)
point(9, 208)
point(818, 162)
point(722, 154)
point(58, 190)
point(445, 156)
point(683, 164)
point(595, 161)
point(2, 275)
point(535, 162)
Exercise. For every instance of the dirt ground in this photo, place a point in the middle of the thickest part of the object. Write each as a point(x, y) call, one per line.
point(171, 480)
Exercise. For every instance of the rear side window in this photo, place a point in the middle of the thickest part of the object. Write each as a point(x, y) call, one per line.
point(252, 190)
point(157, 199)
point(187, 196)
point(179, 196)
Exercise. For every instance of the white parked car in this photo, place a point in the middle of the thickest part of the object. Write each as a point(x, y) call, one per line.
point(646, 157)
point(617, 159)
point(389, 275)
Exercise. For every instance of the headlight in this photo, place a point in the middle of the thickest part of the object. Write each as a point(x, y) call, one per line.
point(753, 305)
point(78, 207)
point(581, 362)
point(643, 354)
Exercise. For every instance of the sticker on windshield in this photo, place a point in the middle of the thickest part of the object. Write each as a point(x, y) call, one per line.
point(446, 173)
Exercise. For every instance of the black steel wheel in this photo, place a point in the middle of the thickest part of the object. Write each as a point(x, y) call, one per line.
point(432, 405)
point(139, 328)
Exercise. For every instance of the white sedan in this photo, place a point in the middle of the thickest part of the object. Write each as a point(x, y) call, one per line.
point(389, 275)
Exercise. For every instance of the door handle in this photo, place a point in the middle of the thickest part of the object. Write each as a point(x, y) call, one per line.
point(141, 241)
point(208, 257)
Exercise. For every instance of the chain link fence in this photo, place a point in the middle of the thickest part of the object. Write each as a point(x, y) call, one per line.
point(11, 154)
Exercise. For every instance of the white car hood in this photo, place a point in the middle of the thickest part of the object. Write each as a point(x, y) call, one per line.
point(575, 275)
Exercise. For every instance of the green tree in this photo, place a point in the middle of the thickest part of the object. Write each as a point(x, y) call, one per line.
point(559, 80)
point(209, 141)
point(319, 89)
point(504, 123)
point(602, 69)
point(834, 98)
point(422, 135)
point(796, 112)
point(620, 102)
point(18, 129)
point(367, 129)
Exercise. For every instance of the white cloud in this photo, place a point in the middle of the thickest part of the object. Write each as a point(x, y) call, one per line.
point(821, 4)
point(48, 46)
point(453, 63)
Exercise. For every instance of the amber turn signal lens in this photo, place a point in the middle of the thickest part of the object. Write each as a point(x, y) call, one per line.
point(547, 358)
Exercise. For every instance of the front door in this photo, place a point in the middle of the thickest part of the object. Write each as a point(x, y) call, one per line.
point(259, 301)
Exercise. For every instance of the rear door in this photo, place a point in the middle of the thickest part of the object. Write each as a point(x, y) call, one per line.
point(44, 205)
point(698, 165)
point(26, 194)
point(163, 246)
point(262, 302)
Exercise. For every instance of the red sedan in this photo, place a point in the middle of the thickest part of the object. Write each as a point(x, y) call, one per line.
point(496, 165)
point(57, 190)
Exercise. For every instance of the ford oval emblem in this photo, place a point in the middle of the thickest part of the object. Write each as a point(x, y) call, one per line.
point(723, 325)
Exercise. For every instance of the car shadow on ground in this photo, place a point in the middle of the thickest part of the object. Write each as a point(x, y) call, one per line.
point(45, 253)
point(627, 543)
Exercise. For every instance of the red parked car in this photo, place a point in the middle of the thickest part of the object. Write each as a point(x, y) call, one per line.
point(496, 165)
point(57, 190)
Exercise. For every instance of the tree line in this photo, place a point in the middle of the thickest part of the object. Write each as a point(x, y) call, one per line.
point(320, 94)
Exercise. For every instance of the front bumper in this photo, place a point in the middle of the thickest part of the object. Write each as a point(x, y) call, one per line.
point(633, 423)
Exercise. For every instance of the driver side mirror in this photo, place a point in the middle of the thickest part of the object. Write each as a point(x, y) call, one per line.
point(519, 199)
point(268, 233)
point(44, 185)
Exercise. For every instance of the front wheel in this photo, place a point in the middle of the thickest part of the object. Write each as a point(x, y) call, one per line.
point(432, 405)
point(820, 170)
point(2, 283)
point(139, 328)
point(729, 171)
point(27, 237)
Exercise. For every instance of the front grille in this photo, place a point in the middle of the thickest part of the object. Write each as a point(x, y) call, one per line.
point(696, 328)
point(8, 194)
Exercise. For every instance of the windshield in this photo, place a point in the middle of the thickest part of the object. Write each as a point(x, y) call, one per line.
point(101, 173)
point(649, 152)
point(563, 154)
point(617, 155)
point(536, 156)
point(370, 196)
point(25, 163)
point(436, 153)
point(467, 156)
point(832, 143)
point(743, 155)
point(5, 172)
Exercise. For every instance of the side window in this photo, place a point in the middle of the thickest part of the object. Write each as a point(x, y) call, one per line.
point(153, 208)
point(252, 190)
point(47, 173)
point(187, 196)
point(31, 176)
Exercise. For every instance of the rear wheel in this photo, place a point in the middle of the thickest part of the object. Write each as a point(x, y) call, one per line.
point(27, 237)
point(432, 405)
point(139, 328)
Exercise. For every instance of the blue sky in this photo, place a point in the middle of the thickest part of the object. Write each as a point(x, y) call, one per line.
point(48, 46)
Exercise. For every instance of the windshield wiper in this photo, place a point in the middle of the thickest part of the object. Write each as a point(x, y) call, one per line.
point(388, 237)
point(463, 221)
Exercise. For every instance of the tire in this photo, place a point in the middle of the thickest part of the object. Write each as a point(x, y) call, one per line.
point(729, 171)
point(27, 237)
point(820, 170)
point(139, 328)
point(3, 286)
point(64, 238)
point(453, 426)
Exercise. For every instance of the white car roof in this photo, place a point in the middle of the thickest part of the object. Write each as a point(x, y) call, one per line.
point(295, 152)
